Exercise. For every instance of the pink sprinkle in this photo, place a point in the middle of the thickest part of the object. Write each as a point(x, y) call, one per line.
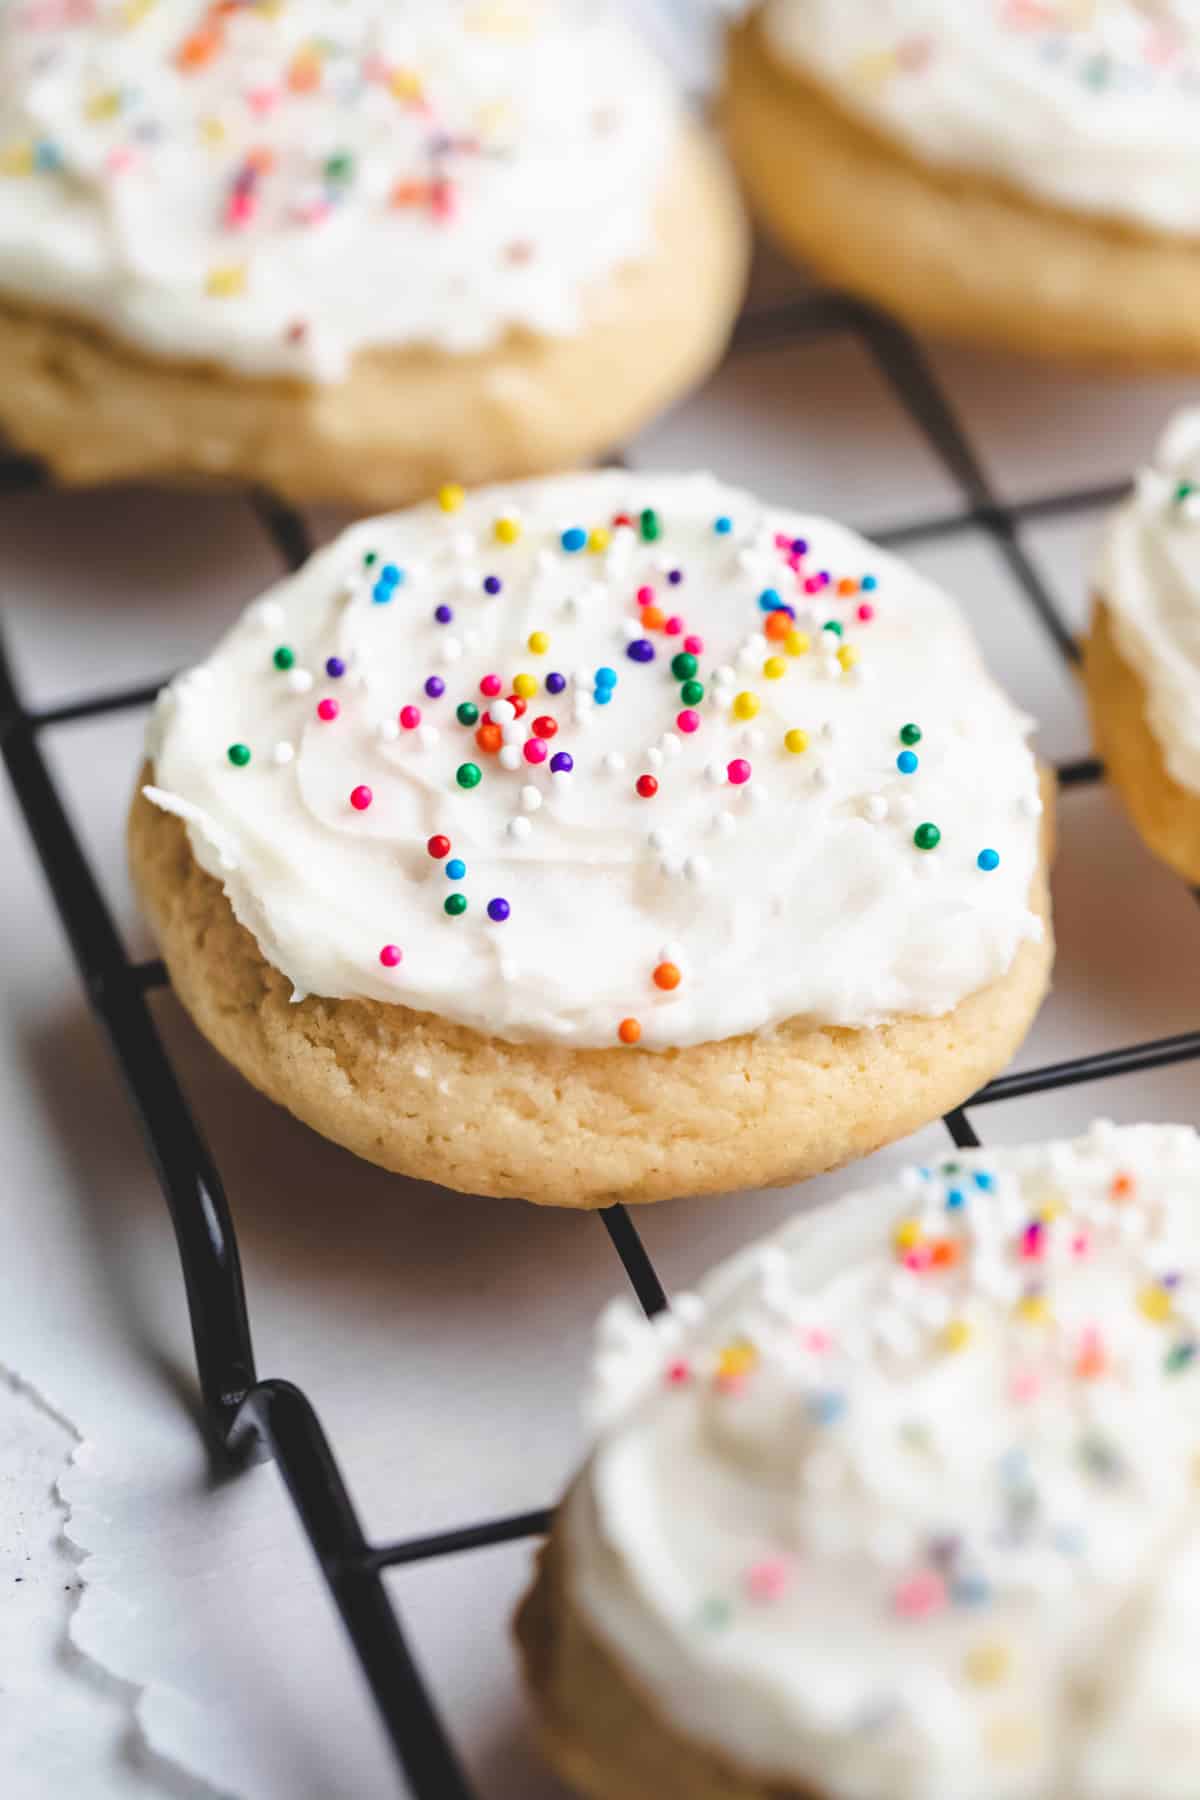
point(240, 208)
point(731, 1384)
point(922, 1594)
point(688, 719)
point(536, 750)
point(812, 584)
point(866, 612)
point(782, 541)
point(328, 709)
point(491, 685)
point(673, 626)
point(263, 100)
point(816, 1339)
point(361, 798)
point(769, 1579)
point(694, 646)
point(312, 212)
point(1081, 1244)
point(678, 1373)
point(120, 160)
point(738, 771)
point(645, 596)
point(1033, 1241)
point(1025, 1386)
point(442, 199)
point(390, 955)
point(410, 717)
point(919, 1258)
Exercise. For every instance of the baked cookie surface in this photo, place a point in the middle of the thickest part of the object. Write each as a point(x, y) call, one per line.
point(1142, 658)
point(902, 1501)
point(614, 836)
point(348, 249)
point(1020, 176)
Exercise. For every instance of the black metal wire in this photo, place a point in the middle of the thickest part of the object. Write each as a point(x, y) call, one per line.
point(249, 1416)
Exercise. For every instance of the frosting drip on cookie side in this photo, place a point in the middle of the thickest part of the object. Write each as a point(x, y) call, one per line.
point(611, 759)
point(1149, 578)
point(907, 1501)
point(274, 186)
point(1092, 105)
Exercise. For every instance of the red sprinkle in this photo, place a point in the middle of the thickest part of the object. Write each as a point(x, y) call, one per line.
point(647, 787)
point(438, 846)
point(545, 727)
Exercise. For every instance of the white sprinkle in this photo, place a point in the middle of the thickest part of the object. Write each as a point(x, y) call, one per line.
point(657, 839)
point(903, 807)
point(654, 757)
point(519, 827)
point(630, 629)
point(545, 560)
point(428, 736)
point(714, 772)
point(502, 711)
point(752, 737)
point(512, 732)
point(828, 731)
point(697, 869)
point(1030, 805)
point(300, 680)
point(462, 545)
point(747, 656)
point(820, 776)
point(283, 752)
point(724, 675)
point(269, 614)
point(670, 744)
point(388, 731)
point(531, 799)
point(613, 762)
point(471, 639)
point(724, 823)
point(875, 808)
point(672, 951)
point(451, 650)
point(509, 756)
point(671, 866)
point(757, 796)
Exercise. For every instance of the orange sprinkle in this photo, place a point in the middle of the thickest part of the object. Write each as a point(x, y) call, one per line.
point(777, 626)
point(653, 617)
point(409, 193)
point(199, 48)
point(304, 74)
point(1122, 1187)
point(847, 586)
point(629, 1031)
point(489, 738)
point(667, 976)
point(946, 1252)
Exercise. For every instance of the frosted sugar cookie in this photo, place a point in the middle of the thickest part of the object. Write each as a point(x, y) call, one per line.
point(903, 1503)
point(608, 837)
point(345, 247)
point(1021, 172)
point(1142, 661)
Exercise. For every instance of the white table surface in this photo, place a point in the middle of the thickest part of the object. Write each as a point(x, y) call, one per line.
point(164, 1632)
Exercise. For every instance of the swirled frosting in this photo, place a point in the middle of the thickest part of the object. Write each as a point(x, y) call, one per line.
point(610, 751)
point(1089, 104)
point(276, 184)
point(1149, 579)
point(906, 1501)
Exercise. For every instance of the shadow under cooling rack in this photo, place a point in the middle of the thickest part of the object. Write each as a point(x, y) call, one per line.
point(252, 1417)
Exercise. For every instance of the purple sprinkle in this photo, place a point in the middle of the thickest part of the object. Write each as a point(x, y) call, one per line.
point(335, 666)
point(492, 584)
point(435, 687)
point(675, 576)
point(562, 763)
point(641, 650)
point(498, 910)
point(443, 615)
point(799, 546)
point(555, 683)
point(824, 578)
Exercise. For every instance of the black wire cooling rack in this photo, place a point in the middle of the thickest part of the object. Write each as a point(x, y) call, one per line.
point(252, 1417)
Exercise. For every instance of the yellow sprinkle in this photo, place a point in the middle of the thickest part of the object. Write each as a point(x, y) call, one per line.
point(405, 84)
point(986, 1664)
point(525, 685)
point(737, 1359)
point(1012, 1740)
point(1034, 1310)
point(796, 643)
point(1155, 1302)
point(212, 131)
point(908, 1234)
point(507, 531)
point(16, 159)
point(539, 643)
point(957, 1335)
point(746, 705)
point(796, 740)
point(847, 656)
point(599, 539)
point(134, 11)
point(450, 497)
point(1051, 1210)
point(774, 668)
point(104, 105)
point(227, 281)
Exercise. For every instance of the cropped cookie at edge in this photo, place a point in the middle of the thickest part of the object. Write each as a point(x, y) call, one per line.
point(1023, 176)
point(349, 252)
point(1142, 657)
point(902, 1503)
point(611, 837)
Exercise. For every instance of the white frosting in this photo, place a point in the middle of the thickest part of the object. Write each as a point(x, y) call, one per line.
point(275, 186)
point(1089, 104)
point(1149, 578)
point(907, 1502)
point(799, 892)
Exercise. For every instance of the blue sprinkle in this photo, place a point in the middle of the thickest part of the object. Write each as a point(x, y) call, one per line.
point(722, 526)
point(827, 1407)
point(47, 158)
point(382, 592)
point(770, 600)
point(602, 696)
point(574, 538)
point(456, 868)
point(907, 762)
point(955, 1199)
point(988, 860)
point(391, 574)
point(970, 1590)
point(868, 584)
point(606, 678)
point(985, 1180)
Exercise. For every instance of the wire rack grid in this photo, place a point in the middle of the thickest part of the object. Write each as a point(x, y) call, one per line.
point(250, 1417)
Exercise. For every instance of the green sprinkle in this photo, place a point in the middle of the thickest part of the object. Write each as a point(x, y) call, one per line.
point(714, 1614)
point(371, 557)
point(684, 666)
point(284, 657)
point(239, 755)
point(467, 713)
point(468, 775)
point(339, 167)
point(1184, 491)
point(692, 693)
point(651, 525)
point(910, 734)
point(1179, 1357)
point(455, 905)
point(832, 625)
point(927, 837)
